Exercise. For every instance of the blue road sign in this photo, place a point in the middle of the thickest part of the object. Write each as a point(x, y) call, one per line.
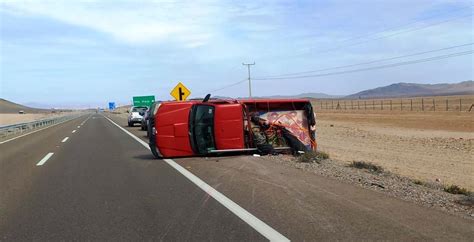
point(111, 105)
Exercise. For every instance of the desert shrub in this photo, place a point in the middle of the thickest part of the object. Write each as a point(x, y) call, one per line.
point(455, 189)
point(418, 182)
point(313, 157)
point(367, 166)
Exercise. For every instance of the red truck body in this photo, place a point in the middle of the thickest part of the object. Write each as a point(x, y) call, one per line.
point(194, 128)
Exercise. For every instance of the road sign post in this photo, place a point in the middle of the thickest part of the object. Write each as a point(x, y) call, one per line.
point(180, 92)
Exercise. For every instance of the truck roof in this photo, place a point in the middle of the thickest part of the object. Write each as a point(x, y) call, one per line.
point(242, 101)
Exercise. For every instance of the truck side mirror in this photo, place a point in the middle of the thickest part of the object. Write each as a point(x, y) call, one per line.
point(128, 111)
point(208, 96)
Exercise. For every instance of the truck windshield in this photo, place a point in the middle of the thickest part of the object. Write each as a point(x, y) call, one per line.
point(202, 128)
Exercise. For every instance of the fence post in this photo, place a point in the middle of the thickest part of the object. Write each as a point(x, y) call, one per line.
point(390, 104)
point(434, 105)
point(365, 104)
point(460, 105)
point(373, 104)
point(381, 104)
point(401, 104)
point(422, 105)
point(446, 104)
point(332, 104)
point(352, 105)
point(411, 104)
point(345, 105)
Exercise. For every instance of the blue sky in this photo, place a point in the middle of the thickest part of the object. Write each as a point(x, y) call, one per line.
point(86, 53)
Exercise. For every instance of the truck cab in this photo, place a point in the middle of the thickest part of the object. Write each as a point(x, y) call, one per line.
point(195, 128)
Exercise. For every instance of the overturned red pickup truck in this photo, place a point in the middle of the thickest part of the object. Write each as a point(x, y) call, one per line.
point(266, 126)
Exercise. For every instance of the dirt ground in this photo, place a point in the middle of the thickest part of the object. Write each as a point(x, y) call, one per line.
point(425, 146)
point(14, 118)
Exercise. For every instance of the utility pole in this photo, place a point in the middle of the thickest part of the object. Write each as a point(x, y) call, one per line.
point(250, 84)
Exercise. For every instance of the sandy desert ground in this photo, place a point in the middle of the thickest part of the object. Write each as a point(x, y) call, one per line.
point(425, 146)
point(14, 118)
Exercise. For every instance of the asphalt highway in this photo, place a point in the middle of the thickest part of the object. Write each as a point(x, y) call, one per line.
point(88, 179)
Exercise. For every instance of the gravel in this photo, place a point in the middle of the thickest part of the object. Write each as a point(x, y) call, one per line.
point(428, 194)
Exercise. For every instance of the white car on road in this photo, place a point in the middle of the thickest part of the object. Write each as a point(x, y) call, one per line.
point(136, 115)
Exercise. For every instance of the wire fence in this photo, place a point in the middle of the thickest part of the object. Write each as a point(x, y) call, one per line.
point(428, 104)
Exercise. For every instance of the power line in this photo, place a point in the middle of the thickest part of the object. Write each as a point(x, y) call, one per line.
point(374, 68)
point(403, 25)
point(225, 87)
point(351, 71)
point(395, 34)
point(369, 62)
point(400, 27)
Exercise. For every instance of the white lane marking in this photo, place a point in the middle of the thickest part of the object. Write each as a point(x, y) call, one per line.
point(74, 131)
point(14, 138)
point(132, 135)
point(45, 158)
point(243, 214)
point(64, 140)
point(83, 122)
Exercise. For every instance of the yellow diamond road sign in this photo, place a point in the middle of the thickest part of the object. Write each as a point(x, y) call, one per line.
point(180, 92)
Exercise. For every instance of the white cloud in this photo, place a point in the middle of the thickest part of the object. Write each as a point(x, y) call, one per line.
point(147, 22)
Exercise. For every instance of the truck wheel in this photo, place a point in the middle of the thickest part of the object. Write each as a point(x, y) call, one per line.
point(130, 124)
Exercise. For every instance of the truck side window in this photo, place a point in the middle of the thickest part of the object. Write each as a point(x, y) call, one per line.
point(202, 128)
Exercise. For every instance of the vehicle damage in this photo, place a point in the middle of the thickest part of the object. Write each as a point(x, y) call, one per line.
point(214, 126)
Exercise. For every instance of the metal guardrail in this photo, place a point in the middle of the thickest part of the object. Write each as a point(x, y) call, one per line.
point(17, 129)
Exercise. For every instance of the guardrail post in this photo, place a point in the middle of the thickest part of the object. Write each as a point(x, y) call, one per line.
point(26, 127)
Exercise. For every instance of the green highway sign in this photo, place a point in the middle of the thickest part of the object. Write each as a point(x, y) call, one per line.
point(143, 101)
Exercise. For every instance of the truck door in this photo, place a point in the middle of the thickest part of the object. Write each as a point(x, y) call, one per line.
point(229, 126)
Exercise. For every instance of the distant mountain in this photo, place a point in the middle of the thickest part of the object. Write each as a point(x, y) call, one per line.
point(306, 95)
point(413, 89)
point(11, 107)
point(302, 95)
